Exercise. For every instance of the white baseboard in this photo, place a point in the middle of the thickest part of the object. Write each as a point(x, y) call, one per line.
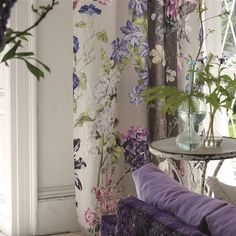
point(57, 215)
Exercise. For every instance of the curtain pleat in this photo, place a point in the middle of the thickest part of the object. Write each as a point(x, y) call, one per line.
point(161, 36)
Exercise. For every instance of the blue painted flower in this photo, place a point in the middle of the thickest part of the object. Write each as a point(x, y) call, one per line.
point(90, 10)
point(135, 94)
point(75, 44)
point(79, 164)
point(139, 6)
point(201, 36)
point(145, 50)
point(75, 82)
point(119, 50)
point(133, 35)
point(187, 88)
point(76, 144)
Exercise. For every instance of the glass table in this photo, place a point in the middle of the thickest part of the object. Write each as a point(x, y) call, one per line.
point(167, 149)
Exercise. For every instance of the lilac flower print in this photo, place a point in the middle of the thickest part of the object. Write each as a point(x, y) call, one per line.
point(139, 6)
point(135, 144)
point(132, 34)
point(135, 94)
point(90, 10)
point(120, 50)
point(75, 44)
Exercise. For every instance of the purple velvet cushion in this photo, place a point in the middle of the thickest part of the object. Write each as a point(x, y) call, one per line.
point(155, 187)
point(223, 221)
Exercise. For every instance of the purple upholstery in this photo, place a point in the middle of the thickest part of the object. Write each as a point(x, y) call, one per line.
point(223, 221)
point(155, 187)
point(108, 225)
point(137, 218)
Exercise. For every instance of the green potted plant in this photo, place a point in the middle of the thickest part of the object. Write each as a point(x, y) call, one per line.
point(220, 93)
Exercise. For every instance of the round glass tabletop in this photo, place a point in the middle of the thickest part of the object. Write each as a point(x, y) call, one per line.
point(167, 148)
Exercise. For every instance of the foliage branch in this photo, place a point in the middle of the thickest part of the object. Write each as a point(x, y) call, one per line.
point(11, 41)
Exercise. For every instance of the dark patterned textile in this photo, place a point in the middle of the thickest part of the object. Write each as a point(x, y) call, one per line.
point(137, 218)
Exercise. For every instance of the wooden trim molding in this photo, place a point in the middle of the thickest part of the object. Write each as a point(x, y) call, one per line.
point(24, 132)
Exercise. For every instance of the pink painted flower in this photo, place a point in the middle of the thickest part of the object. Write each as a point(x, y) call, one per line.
point(75, 3)
point(111, 206)
point(91, 217)
point(100, 193)
point(108, 179)
point(105, 2)
point(171, 7)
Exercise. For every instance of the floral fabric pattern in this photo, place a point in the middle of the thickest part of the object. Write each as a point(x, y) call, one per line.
point(116, 56)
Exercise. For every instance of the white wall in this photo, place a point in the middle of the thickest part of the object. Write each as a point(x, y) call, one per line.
point(56, 209)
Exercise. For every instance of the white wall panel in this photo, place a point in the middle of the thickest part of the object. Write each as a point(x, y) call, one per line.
point(55, 123)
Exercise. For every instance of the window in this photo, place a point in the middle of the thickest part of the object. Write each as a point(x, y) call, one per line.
point(223, 42)
point(228, 47)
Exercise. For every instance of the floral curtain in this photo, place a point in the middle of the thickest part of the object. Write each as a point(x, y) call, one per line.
point(120, 48)
point(162, 40)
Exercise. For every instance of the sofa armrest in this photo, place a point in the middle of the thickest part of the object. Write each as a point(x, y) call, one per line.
point(138, 218)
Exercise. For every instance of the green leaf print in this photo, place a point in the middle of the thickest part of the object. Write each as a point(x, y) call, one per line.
point(84, 117)
point(83, 81)
point(102, 35)
point(81, 24)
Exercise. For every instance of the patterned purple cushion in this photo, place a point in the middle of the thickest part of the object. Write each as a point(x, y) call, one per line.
point(155, 187)
point(108, 225)
point(137, 218)
point(223, 221)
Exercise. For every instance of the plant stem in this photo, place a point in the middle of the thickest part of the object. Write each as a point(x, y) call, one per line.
point(48, 9)
point(201, 28)
point(212, 17)
point(210, 133)
point(123, 176)
point(101, 162)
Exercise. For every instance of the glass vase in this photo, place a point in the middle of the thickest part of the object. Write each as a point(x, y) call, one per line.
point(189, 139)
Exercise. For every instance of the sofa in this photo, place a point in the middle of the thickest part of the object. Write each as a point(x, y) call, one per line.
point(165, 208)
